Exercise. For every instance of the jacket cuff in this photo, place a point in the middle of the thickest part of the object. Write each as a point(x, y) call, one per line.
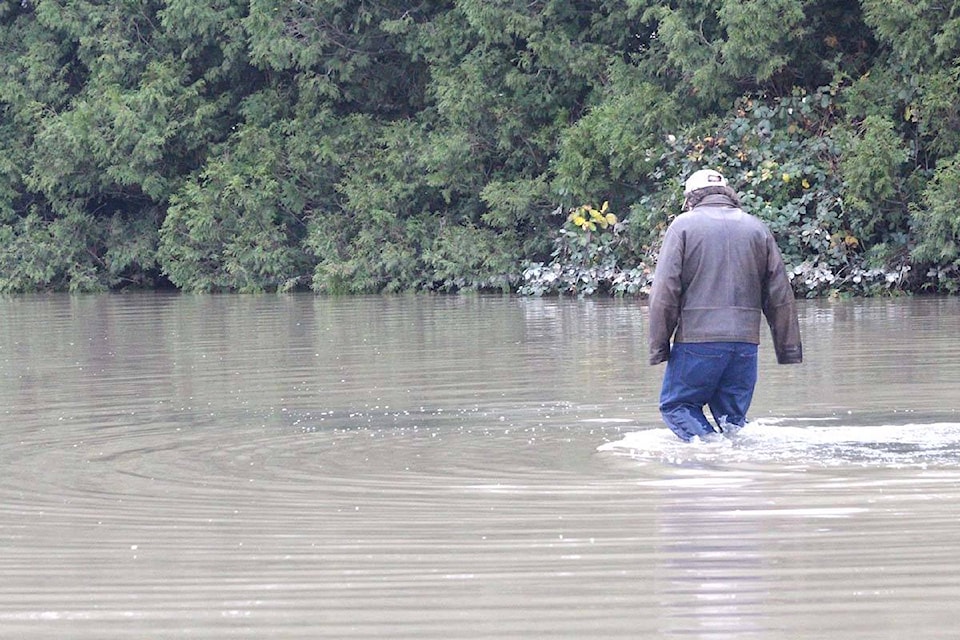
point(660, 355)
point(790, 355)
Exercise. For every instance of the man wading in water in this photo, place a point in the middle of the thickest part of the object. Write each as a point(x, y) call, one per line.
point(718, 270)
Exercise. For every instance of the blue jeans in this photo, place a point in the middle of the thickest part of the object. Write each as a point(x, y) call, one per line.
point(721, 375)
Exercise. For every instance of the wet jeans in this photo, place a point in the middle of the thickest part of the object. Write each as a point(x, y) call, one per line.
point(721, 375)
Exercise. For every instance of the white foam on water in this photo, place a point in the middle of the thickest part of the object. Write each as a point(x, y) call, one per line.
point(802, 441)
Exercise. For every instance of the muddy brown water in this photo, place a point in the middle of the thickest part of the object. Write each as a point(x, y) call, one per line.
point(465, 467)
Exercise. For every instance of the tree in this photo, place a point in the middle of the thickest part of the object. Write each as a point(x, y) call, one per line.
point(357, 145)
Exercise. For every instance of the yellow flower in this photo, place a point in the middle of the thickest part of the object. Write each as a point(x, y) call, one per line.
point(786, 177)
point(805, 183)
point(586, 217)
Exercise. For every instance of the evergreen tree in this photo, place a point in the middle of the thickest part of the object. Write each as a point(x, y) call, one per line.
point(356, 146)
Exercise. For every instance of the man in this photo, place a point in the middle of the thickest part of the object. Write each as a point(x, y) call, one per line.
point(719, 269)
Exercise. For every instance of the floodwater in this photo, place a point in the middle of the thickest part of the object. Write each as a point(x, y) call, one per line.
point(465, 467)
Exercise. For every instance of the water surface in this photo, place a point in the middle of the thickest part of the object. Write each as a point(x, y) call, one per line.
point(464, 467)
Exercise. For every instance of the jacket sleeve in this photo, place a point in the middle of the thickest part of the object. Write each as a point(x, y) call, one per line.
point(779, 308)
point(665, 296)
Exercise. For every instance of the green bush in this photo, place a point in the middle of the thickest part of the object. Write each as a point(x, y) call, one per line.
point(782, 157)
point(591, 254)
point(236, 226)
point(349, 146)
point(937, 227)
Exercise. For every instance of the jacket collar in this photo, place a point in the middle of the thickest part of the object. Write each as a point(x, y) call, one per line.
point(717, 200)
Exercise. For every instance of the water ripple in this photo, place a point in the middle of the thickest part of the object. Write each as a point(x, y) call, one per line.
point(294, 467)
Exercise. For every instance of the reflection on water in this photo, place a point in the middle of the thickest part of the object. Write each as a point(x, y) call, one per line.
point(716, 584)
point(469, 467)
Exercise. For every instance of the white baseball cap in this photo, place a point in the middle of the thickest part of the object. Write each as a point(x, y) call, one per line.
point(703, 178)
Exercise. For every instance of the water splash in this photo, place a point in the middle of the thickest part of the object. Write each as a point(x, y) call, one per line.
point(806, 442)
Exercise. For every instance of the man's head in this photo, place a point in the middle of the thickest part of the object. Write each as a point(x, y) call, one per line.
point(703, 183)
point(702, 179)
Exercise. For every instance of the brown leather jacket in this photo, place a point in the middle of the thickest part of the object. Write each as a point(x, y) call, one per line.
point(719, 269)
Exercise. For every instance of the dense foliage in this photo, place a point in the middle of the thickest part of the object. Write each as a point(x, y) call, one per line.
point(534, 146)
